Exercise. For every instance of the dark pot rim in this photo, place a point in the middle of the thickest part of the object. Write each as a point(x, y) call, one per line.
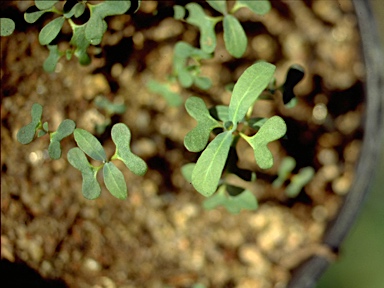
point(308, 273)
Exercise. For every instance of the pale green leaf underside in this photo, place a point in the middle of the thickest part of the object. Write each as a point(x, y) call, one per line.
point(198, 137)
point(7, 26)
point(210, 165)
point(121, 136)
point(89, 144)
point(51, 30)
point(234, 36)
point(248, 88)
point(114, 181)
point(273, 129)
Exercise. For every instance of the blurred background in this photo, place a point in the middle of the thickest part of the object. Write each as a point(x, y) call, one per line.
point(361, 259)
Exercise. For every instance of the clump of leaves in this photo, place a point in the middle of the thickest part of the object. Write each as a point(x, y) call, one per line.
point(88, 145)
point(235, 38)
point(296, 181)
point(84, 35)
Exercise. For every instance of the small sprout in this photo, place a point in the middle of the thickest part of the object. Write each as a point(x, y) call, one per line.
point(114, 181)
point(65, 129)
point(198, 137)
point(110, 107)
point(179, 12)
point(285, 169)
point(90, 187)
point(27, 133)
point(7, 26)
point(172, 98)
point(90, 145)
point(294, 76)
point(234, 36)
point(121, 136)
point(71, 8)
point(299, 180)
point(259, 7)
point(233, 198)
point(273, 129)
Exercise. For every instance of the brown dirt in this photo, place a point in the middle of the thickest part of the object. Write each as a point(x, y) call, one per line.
point(161, 236)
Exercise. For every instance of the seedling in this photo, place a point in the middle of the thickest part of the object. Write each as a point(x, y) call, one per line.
point(110, 109)
point(297, 181)
point(7, 26)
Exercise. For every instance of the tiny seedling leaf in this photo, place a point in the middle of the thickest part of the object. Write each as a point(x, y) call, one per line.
point(234, 36)
point(32, 16)
point(65, 129)
point(273, 129)
point(121, 136)
point(186, 171)
point(299, 181)
point(203, 82)
point(179, 12)
point(80, 42)
point(45, 4)
point(220, 112)
point(206, 25)
point(26, 134)
point(54, 149)
point(248, 88)
point(210, 165)
point(7, 26)
point(172, 98)
point(90, 188)
point(198, 137)
point(218, 5)
point(51, 30)
point(260, 7)
point(114, 181)
point(76, 10)
point(89, 144)
point(285, 169)
point(110, 107)
point(52, 59)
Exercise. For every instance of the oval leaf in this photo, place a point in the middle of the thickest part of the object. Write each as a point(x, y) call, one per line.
point(78, 160)
point(218, 5)
point(234, 36)
point(54, 150)
point(33, 16)
point(7, 26)
point(210, 165)
point(50, 31)
point(114, 180)
point(26, 133)
point(91, 188)
point(52, 59)
point(248, 88)
point(45, 4)
point(260, 7)
point(121, 136)
point(89, 144)
point(65, 129)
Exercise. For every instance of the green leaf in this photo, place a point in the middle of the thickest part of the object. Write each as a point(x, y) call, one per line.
point(273, 129)
point(234, 36)
point(52, 59)
point(80, 42)
point(32, 17)
point(186, 171)
point(54, 149)
point(234, 204)
point(65, 129)
point(179, 12)
point(206, 25)
point(248, 88)
point(218, 5)
point(26, 134)
point(198, 137)
point(285, 169)
point(220, 112)
point(77, 10)
point(96, 26)
point(51, 30)
point(90, 145)
point(299, 181)
point(110, 107)
point(203, 82)
point(7, 26)
point(260, 7)
point(172, 98)
point(45, 4)
point(114, 180)
point(90, 188)
point(121, 136)
point(210, 165)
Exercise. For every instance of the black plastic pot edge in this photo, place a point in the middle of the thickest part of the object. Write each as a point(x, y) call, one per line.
point(308, 273)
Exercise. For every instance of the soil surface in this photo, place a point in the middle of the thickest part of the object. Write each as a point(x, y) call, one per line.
point(161, 236)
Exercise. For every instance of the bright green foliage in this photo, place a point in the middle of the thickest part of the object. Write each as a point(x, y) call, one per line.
point(90, 187)
point(206, 25)
point(179, 12)
point(260, 7)
point(273, 129)
point(189, 74)
point(51, 30)
point(65, 129)
point(114, 180)
point(209, 167)
point(248, 88)
point(197, 139)
point(234, 36)
point(7, 26)
point(121, 136)
point(27, 133)
point(90, 145)
point(234, 202)
point(45, 4)
point(52, 59)
point(172, 98)
point(219, 5)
